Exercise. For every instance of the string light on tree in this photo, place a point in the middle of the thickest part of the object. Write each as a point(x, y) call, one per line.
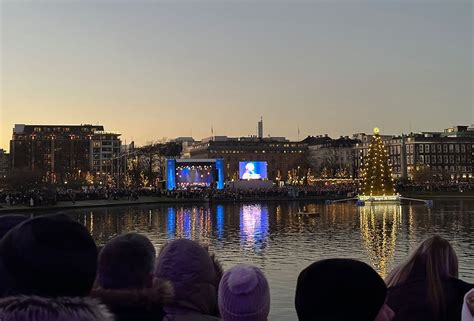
point(376, 172)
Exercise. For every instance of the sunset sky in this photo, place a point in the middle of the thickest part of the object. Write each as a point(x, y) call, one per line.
point(164, 69)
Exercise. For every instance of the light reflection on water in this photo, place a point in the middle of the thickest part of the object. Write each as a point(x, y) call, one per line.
point(274, 237)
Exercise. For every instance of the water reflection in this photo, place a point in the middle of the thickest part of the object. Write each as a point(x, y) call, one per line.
point(379, 226)
point(274, 237)
point(253, 227)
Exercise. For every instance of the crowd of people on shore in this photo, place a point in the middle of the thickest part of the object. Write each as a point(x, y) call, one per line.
point(49, 197)
point(51, 269)
point(45, 197)
point(440, 186)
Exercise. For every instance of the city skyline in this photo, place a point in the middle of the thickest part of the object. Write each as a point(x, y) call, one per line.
point(156, 69)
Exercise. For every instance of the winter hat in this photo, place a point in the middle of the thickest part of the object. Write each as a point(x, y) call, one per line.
point(125, 262)
point(50, 256)
point(339, 289)
point(244, 294)
point(7, 222)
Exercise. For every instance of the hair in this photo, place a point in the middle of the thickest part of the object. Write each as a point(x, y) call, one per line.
point(126, 262)
point(437, 260)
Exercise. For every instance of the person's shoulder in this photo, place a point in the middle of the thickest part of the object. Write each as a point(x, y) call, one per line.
point(460, 285)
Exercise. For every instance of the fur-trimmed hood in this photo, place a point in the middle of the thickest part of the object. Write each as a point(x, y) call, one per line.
point(143, 304)
point(34, 308)
point(160, 294)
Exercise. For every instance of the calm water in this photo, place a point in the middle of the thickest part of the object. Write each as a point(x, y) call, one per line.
point(273, 237)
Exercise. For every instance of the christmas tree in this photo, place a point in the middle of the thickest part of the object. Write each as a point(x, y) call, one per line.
point(376, 173)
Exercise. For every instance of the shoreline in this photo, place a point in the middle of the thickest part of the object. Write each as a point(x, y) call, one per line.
point(148, 200)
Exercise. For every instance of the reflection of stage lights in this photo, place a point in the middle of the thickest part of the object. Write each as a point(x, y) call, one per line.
point(254, 226)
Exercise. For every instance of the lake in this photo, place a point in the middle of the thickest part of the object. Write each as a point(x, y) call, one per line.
point(274, 237)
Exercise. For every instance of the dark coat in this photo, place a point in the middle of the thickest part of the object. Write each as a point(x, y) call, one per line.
point(410, 302)
point(33, 308)
point(136, 305)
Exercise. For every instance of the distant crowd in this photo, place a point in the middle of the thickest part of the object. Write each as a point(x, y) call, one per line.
point(441, 186)
point(48, 197)
point(52, 270)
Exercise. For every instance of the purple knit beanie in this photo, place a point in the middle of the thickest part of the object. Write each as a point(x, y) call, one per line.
point(244, 294)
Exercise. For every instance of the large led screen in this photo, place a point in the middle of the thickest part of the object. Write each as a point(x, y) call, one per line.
point(253, 170)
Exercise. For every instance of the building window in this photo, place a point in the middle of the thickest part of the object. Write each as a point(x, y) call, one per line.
point(427, 148)
point(456, 148)
point(451, 159)
point(451, 148)
point(440, 159)
point(433, 159)
point(445, 148)
point(438, 147)
point(463, 148)
point(422, 159)
point(422, 150)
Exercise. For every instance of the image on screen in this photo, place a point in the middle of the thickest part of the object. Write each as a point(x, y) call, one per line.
point(194, 175)
point(253, 170)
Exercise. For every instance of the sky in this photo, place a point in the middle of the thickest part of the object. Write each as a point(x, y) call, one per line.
point(154, 69)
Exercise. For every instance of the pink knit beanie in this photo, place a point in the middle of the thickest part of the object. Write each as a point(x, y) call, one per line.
point(244, 294)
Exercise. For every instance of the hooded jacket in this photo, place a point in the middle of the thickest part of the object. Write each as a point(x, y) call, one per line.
point(34, 308)
point(195, 277)
point(136, 305)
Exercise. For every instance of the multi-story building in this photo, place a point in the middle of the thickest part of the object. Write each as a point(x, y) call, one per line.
point(105, 152)
point(4, 163)
point(63, 149)
point(333, 156)
point(280, 154)
point(446, 153)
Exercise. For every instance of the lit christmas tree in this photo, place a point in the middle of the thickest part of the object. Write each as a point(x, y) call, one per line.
point(376, 173)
